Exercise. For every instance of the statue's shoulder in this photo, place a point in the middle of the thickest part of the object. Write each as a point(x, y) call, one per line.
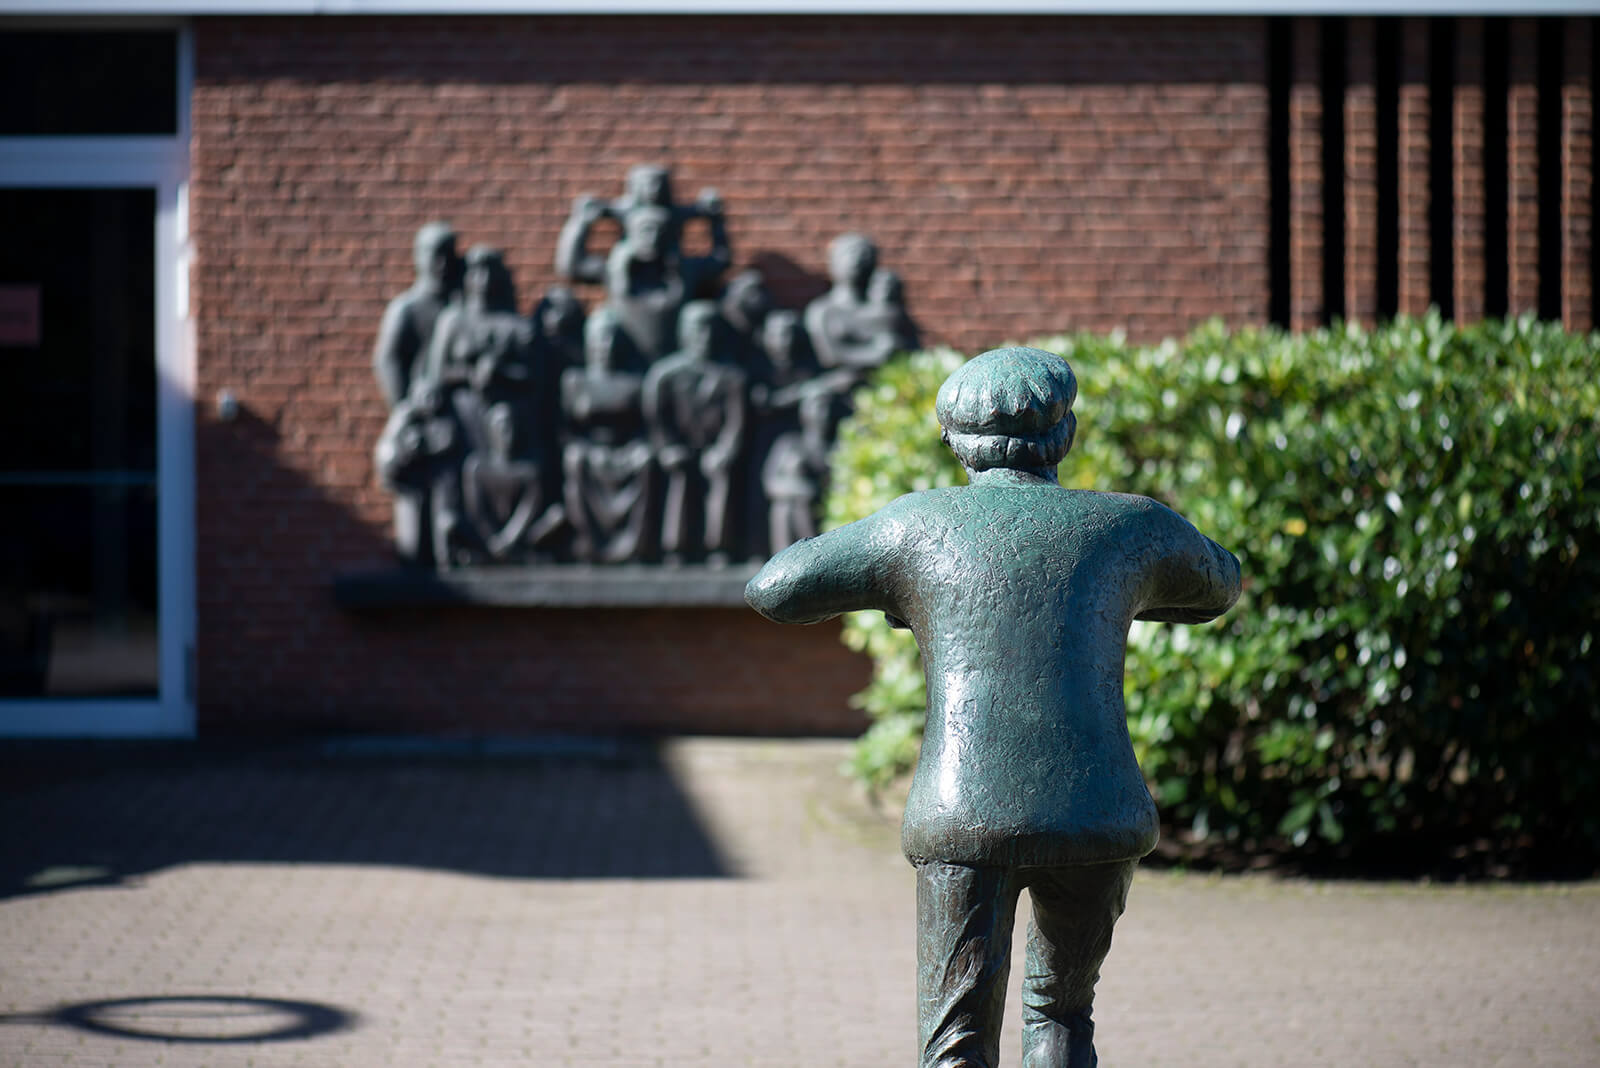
point(397, 313)
point(1108, 503)
point(929, 501)
point(1130, 518)
point(925, 516)
point(449, 315)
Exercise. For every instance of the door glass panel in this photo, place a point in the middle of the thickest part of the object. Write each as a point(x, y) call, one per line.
point(78, 487)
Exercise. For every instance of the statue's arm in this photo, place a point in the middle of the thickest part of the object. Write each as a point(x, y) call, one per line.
point(573, 258)
point(398, 446)
point(508, 537)
point(721, 256)
point(731, 436)
point(1192, 579)
point(438, 353)
point(388, 355)
point(844, 570)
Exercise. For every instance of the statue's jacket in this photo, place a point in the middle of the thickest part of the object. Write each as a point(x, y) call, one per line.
point(1020, 594)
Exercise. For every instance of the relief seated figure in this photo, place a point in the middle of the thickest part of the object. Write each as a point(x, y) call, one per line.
point(418, 457)
point(503, 496)
point(608, 466)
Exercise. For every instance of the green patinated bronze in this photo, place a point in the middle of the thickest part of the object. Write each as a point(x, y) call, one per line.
point(1020, 594)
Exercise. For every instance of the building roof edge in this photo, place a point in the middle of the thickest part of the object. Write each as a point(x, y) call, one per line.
point(170, 8)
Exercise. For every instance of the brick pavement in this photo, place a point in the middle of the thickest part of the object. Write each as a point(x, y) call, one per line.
point(711, 903)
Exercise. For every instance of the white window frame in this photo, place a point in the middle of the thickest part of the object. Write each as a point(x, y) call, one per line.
point(161, 164)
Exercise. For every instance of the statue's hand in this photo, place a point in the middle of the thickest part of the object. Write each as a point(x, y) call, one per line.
point(589, 209)
point(714, 460)
point(709, 201)
point(483, 373)
point(408, 443)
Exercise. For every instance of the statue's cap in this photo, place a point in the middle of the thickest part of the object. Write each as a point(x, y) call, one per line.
point(1016, 392)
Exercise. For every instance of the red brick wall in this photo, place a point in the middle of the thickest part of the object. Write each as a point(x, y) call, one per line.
point(1414, 150)
point(1360, 173)
point(1469, 148)
point(1522, 168)
point(1023, 175)
point(1307, 304)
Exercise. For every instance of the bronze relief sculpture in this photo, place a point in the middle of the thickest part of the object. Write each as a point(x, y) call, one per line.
point(1020, 594)
point(647, 435)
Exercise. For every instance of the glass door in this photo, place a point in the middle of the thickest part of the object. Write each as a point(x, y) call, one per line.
point(97, 607)
point(79, 607)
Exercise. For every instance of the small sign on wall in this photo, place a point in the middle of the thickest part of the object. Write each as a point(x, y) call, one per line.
point(19, 315)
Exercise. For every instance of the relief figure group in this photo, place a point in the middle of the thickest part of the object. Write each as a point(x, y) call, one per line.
point(683, 420)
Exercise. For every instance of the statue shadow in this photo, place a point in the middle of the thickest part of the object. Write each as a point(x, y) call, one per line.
point(196, 1019)
point(79, 814)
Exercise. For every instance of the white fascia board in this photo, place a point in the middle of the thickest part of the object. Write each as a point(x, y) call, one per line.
point(103, 8)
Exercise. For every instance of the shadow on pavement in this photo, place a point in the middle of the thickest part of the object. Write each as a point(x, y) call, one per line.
point(214, 1019)
point(86, 814)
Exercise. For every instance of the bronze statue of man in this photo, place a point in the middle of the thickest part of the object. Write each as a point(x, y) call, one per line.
point(1020, 594)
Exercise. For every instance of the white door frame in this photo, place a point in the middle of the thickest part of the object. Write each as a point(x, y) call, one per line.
point(161, 164)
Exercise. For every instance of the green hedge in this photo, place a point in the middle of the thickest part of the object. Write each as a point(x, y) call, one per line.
point(1417, 511)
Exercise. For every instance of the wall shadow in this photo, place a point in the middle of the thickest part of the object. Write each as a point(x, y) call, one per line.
point(870, 50)
point(791, 285)
point(81, 814)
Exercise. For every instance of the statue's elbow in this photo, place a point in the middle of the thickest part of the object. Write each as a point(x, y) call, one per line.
point(1230, 583)
point(783, 595)
point(766, 594)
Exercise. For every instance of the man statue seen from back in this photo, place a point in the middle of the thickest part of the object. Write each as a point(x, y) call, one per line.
point(1020, 594)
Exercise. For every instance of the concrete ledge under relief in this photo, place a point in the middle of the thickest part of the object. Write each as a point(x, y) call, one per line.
point(548, 586)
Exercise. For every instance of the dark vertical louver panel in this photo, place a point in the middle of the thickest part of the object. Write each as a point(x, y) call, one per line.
point(1280, 64)
point(1388, 98)
point(1496, 183)
point(1552, 71)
